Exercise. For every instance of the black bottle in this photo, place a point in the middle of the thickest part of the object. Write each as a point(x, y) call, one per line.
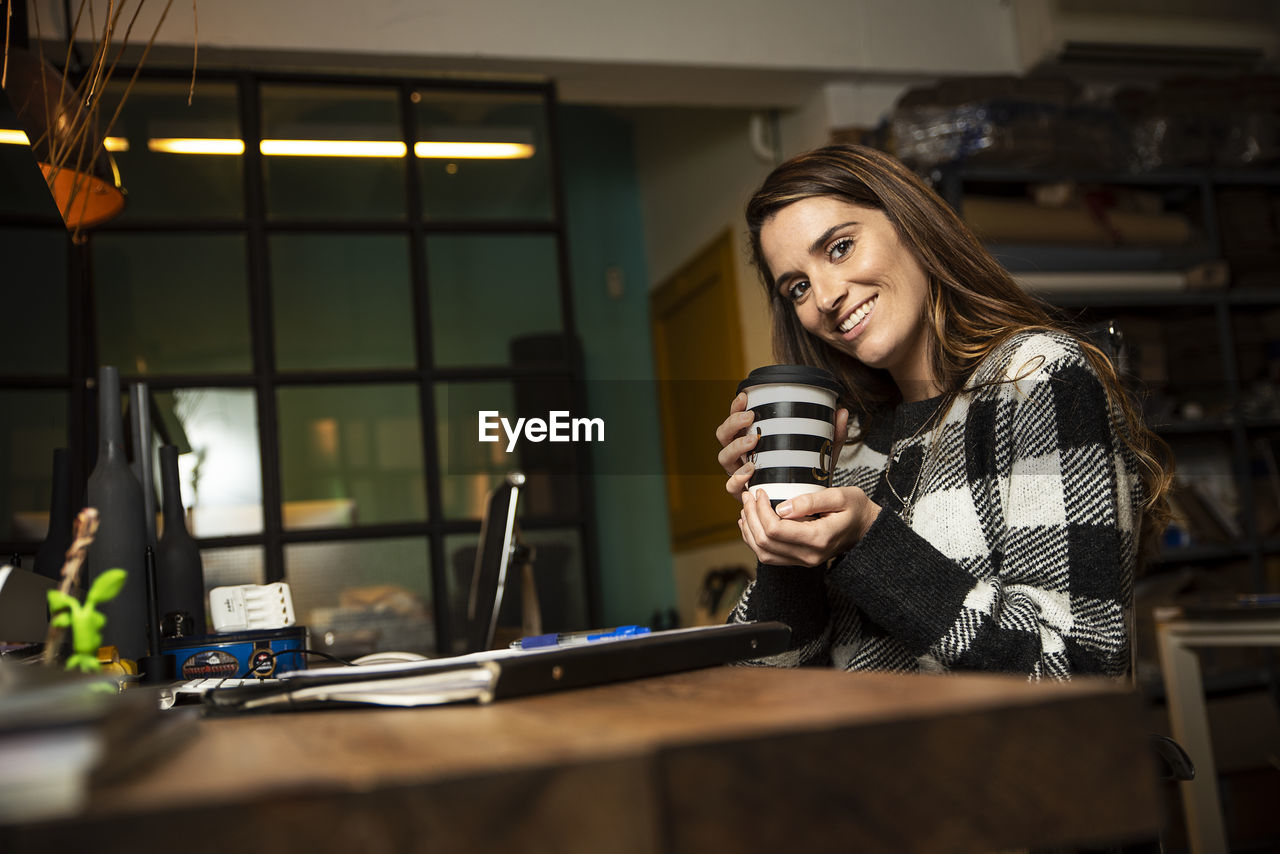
point(179, 570)
point(122, 534)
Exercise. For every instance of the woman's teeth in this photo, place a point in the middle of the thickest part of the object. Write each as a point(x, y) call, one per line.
point(856, 318)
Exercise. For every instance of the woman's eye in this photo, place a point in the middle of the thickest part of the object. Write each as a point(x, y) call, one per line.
point(840, 248)
point(797, 289)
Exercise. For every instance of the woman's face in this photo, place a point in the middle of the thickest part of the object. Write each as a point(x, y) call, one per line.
point(854, 284)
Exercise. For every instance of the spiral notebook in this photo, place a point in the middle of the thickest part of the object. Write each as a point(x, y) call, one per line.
point(486, 677)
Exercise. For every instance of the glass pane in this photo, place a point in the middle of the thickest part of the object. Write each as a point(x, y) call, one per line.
point(216, 433)
point(351, 455)
point(231, 566)
point(175, 158)
point(358, 597)
point(561, 578)
point(360, 181)
point(506, 176)
point(342, 301)
point(33, 300)
point(557, 577)
point(32, 425)
point(471, 466)
point(172, 303)
point(488, 293)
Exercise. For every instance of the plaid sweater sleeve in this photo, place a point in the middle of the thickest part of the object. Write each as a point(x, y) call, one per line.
point(797, 596)
point(1025, 562)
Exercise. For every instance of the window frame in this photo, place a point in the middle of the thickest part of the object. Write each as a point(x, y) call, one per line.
point(265, 379)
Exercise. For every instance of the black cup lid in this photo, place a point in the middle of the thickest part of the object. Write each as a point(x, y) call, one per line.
point(799, 374)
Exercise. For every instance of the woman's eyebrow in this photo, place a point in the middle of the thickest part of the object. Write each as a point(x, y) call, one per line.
point(816, 246)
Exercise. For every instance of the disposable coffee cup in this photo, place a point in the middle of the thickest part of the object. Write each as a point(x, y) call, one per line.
point(795, 421)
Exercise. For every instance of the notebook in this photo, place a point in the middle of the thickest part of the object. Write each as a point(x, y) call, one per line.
point(486, 677)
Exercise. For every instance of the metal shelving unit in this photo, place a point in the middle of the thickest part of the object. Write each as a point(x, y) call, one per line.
point(1235, 427)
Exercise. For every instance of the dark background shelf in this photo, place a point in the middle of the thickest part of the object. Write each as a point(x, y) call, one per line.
point(1212, 347)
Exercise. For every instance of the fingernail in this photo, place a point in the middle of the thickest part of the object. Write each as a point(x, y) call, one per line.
point(784, 508)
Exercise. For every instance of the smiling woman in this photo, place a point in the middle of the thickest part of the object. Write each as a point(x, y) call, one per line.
point(996, 487)
point(855, 268)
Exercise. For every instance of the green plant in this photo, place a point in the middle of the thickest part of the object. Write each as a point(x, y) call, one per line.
point(84, 620)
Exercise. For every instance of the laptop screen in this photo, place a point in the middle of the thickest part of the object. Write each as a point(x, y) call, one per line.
point(493, 558)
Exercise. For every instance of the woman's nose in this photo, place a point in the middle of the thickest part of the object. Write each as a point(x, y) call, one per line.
point(830, 293)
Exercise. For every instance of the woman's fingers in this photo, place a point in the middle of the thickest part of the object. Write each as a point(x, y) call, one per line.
point(738, 419)
point(734, 455)
point(808, 529)
point(734, 438)
point(762, 526)
point(738, 480)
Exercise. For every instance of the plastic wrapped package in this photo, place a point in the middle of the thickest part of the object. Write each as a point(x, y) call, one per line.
point(1253, 125)
point(1231, 122)
point(1171, 127)
point(1029, 123)
point(1003, 121)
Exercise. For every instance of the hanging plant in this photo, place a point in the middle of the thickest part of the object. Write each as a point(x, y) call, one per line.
point(62, 123)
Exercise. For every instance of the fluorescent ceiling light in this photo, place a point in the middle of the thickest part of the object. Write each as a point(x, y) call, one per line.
point(333, 148)
point(474, 150)
point(178, 145)
point(10, 136)
point(440, 150)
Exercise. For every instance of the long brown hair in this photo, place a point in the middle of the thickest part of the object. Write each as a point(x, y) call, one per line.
point(974, 304)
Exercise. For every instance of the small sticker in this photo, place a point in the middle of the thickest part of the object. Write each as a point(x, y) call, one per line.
point(262, 662)
point(210, 663)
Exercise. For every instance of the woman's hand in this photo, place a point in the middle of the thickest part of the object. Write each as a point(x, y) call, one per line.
point(736, 442)
point(809, 529)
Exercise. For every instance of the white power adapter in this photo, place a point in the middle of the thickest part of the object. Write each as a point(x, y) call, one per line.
point(251, 606)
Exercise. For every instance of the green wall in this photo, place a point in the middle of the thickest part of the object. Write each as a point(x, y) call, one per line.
point(606, 230)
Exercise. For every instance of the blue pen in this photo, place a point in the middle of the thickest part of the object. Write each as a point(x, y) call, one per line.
point(575, 638)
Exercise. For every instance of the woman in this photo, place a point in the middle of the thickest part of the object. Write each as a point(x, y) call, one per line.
point(996, 486)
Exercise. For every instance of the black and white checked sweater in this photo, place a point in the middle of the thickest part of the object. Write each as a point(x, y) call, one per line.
point(1018, 553)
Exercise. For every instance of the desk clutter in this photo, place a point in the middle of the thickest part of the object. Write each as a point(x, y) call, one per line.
point(137, 677)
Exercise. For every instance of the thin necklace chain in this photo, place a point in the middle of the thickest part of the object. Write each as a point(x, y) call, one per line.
point(931, 422)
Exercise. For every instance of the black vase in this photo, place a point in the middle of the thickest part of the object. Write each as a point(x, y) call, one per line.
point(179, 571)
point(122, 533)
point(52, 553)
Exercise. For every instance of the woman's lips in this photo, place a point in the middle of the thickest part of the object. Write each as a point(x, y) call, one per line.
point(857, 318)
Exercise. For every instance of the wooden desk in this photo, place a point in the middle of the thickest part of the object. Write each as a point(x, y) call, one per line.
point(726, 759)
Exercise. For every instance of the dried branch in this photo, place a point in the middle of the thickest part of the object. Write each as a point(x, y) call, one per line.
point(195, 49)
point(86, 527)
point(8, 19)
